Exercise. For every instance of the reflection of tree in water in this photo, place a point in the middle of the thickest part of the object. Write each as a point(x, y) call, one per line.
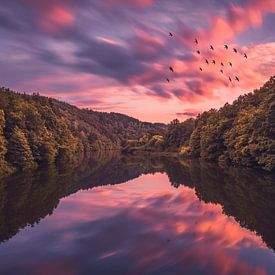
point(27, 198)
point(248, 195)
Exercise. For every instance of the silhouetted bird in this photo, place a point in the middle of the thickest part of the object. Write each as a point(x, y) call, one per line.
point(221, 71)
point(245, 55)
point(211, 48)
point(213, 61)
point(198, 52)
point(237, 78)
point(196, 41)
point(226, 47)
point(168, 80)
point(222, 64)
point(201, 69)
point(230, 64)
point(171, 69)
point(235, 50)
point(206, 61)
point(170, 34)
point(230, 79)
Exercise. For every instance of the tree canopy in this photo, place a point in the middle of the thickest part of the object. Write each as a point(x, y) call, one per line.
point(241, 133)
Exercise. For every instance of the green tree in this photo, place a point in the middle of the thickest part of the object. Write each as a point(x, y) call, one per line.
point(211, 141)
point(19, 151)
point(3, 145)
point(178, 134)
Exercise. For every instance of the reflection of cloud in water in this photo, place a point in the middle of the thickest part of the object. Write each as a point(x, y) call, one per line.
point(144, 226)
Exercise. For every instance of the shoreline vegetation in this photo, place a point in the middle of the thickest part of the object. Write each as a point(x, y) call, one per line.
point(238, 134)
point(36, 131)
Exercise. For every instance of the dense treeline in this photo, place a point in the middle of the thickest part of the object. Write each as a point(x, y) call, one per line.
point(38, 130)
point(241, 133)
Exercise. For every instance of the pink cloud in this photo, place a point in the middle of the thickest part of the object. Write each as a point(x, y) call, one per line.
point(53, 15)
point(188, 88)
point(189, 112)
point(56, 17)
point(236, 20)
point(141, 3)
point(223, 29)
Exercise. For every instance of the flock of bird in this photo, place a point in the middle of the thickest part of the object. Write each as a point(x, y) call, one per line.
point(222, 64)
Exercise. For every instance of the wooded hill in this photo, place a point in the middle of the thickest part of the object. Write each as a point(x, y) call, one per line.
point(242, 133)
point(38, 130)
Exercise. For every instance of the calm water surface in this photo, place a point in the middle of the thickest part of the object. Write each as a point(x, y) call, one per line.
point(138, 215)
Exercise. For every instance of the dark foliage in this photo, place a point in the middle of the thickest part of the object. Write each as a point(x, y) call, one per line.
point(37, 130)
point(240, 134)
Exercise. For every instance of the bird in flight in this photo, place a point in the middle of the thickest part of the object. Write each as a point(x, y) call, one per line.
point(170, 34)
point(230, 64)
point(245, 55)
point(226, 47)
point(211, 48)
point(206, 61)
point(168, 80)
point(237, 78)
point(198, 52)
point(196, 41)
point(222, 64)
point(221, 71)
point(171, 69)
point(235, 50)
point(201, 69)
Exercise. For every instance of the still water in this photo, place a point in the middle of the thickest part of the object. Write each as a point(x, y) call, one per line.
point(138, 215)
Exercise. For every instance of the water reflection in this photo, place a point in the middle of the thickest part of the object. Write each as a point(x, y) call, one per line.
point(145, 225)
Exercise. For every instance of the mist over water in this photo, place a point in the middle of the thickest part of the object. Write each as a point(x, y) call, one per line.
point(138, 215)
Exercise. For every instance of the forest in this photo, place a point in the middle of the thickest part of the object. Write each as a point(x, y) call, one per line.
point(36, 130)
point(241, 133)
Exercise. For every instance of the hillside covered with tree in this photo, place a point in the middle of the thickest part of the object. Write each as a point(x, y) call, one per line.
point(241, 133)
point(36, 130)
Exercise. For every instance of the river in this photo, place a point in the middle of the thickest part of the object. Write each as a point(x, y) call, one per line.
point(117, 214)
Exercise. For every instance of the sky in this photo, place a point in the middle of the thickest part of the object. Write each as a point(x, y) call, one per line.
point(114, 55)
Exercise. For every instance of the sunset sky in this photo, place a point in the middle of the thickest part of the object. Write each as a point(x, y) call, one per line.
point(114, 55)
